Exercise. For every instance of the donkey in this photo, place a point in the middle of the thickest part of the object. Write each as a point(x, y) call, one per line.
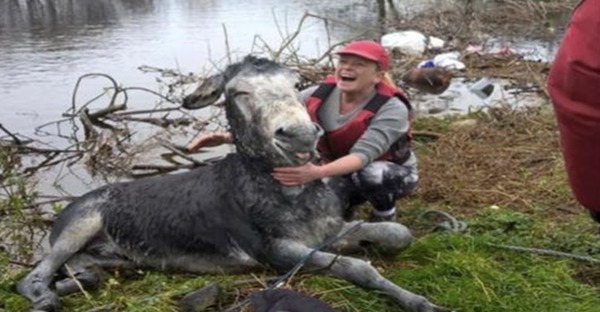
point(228, 217)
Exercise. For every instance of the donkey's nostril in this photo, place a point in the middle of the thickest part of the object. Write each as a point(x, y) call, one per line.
point(282, 132)
point(298, 132)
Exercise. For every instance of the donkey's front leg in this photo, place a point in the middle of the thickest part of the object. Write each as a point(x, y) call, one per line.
point(287, 253)
point(389, 237)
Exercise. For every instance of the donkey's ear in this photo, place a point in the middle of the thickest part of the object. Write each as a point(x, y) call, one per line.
point(206, 94)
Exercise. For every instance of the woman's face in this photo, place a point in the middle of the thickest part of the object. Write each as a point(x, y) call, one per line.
point(356, 74)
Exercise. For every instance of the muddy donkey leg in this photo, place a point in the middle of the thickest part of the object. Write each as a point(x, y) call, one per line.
point(82, 270)
point(80, 273)
point(35, 286)
point(286, 253)
point(389, 237)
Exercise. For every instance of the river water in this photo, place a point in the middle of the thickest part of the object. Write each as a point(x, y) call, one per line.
point(46, 45)
point(44, 48)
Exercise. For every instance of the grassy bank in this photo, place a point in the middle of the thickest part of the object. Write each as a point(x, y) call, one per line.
point(501, 173)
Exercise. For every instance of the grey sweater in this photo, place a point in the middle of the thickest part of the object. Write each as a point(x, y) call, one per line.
point(385, 128)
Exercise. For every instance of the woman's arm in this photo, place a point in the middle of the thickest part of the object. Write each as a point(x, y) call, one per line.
point(208, 140)
point(385, 128)
point(309, 172)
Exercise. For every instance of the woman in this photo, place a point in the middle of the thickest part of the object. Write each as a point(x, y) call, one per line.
point(367, 132)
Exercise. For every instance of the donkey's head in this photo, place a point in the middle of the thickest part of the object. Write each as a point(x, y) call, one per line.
point(265, 116)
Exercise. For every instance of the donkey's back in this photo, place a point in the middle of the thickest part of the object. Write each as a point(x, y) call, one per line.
point(210, 219)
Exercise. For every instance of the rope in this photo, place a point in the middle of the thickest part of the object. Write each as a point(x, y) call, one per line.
point(301, 263)
point(450, 225)
point(455, 226)
point(547, 252)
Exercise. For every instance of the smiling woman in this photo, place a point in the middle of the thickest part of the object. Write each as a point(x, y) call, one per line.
point(366, 131)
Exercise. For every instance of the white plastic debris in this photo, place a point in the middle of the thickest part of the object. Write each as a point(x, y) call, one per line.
point(435, 43)
point(449, 61)
point(408, 42)
point(483, 88)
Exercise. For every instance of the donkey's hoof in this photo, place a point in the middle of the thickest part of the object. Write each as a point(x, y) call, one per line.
point(424, 305)
point(47, 303)
point(442, 309)
point(68, 286)
point(201, 299)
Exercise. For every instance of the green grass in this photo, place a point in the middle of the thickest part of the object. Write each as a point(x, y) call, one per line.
point(463, 271)
point(466, 272)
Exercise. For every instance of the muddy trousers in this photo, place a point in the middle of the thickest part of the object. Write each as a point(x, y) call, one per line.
point(380, 183)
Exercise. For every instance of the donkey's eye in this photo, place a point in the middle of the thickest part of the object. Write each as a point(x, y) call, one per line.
point(239, 93)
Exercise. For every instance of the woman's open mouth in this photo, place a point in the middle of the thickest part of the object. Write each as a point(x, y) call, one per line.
point(347, 78)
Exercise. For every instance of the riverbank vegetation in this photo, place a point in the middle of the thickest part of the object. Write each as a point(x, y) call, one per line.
point(527, 244)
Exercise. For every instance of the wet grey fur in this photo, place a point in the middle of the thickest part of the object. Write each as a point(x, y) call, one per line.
point(228, 217)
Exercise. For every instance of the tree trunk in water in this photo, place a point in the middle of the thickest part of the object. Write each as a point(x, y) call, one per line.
point(381, 15)
point(394, 11)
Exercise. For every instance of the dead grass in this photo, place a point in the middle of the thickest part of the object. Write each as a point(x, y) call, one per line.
point(471, 20)
point(509, 158)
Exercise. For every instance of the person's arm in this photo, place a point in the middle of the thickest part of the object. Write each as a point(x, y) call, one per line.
point(290, 176)
point(208, 140)
point(385, 128)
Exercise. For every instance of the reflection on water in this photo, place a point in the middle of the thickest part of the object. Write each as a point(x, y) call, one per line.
point(56, 14)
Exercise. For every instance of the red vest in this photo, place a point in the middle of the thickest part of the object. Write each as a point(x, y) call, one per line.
point(337, 143)
point(574, 86)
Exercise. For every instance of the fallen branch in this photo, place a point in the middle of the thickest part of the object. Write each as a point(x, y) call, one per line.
point(49, 163)
point(14, 137)
point(89, 131)
point(179, 151)
point(159, 122)
point(157, 169)
point(112, 100)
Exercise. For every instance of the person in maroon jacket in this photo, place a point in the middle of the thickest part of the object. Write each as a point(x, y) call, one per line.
point(574, 87)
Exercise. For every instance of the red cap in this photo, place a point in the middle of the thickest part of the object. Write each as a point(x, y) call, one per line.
point(369, 50)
